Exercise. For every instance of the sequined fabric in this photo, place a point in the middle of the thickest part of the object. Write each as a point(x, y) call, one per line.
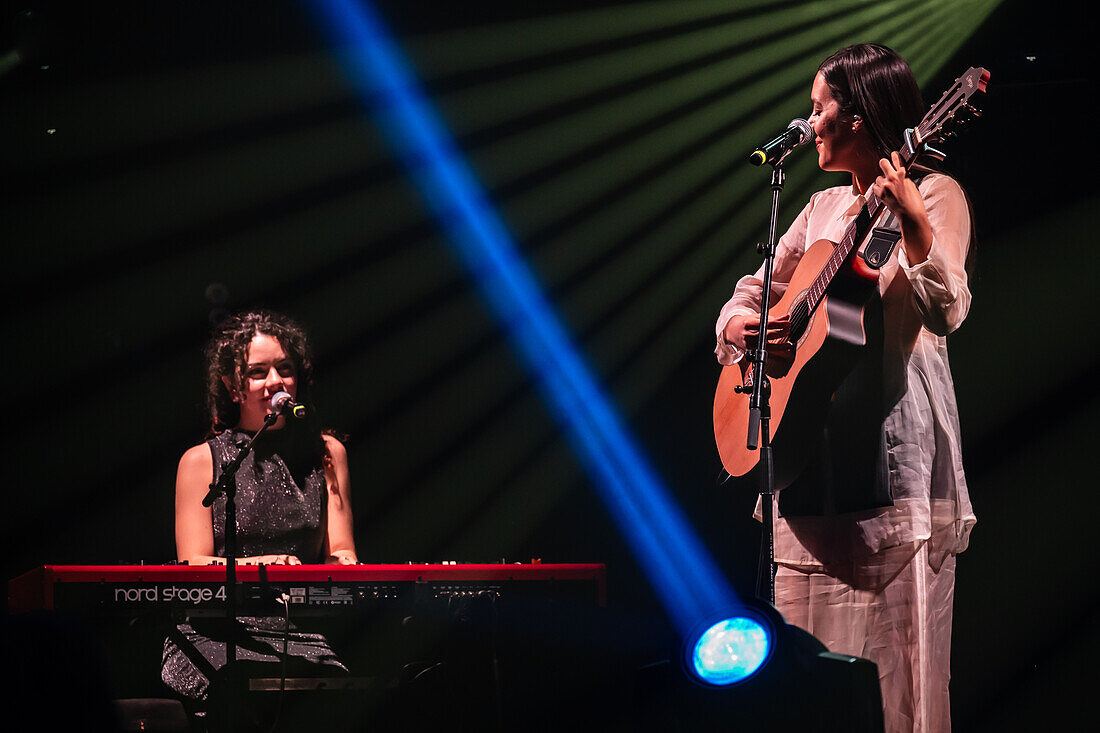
point(280, 496)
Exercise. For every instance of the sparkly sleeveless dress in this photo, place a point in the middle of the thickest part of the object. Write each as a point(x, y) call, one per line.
point(281, 504)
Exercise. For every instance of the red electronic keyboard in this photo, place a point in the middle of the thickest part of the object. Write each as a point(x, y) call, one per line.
point(312, 589)
point(468, 623)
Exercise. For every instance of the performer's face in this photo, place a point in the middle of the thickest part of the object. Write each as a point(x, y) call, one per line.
point(268, 371)
point(836, 138)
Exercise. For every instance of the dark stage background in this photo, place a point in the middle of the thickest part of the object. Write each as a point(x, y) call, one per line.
point(180, 159)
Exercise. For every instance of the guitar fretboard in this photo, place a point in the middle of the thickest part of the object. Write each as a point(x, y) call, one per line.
point(852, 236)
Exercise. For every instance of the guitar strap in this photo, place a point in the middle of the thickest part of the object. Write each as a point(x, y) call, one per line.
point(883, 240)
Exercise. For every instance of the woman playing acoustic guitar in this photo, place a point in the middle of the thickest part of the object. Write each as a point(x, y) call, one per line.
point(866, 535)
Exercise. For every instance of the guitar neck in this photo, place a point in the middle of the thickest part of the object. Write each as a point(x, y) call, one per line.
point(853, 235)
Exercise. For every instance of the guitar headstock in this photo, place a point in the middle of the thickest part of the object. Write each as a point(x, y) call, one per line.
point(953, 109)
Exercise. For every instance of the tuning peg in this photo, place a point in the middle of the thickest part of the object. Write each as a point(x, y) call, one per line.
point(971, 112)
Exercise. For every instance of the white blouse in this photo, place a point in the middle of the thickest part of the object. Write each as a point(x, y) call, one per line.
point(922, 303)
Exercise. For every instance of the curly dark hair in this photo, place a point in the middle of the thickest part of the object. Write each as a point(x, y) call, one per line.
point(874, 82)
point(227, 355)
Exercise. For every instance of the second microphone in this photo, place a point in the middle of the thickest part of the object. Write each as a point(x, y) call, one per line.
point(283, 404)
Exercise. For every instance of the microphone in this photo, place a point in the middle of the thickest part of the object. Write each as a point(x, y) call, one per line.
point(283, 404)
point(798, 132)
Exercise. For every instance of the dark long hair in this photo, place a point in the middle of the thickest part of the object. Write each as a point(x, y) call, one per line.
point(874, 82)
point(227, 355)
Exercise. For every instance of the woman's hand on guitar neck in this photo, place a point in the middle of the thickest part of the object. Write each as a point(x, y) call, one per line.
point(741, 332)
point(897, 190)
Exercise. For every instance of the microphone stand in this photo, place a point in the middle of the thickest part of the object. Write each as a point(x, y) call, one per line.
point(226, 484)
point(759, 429)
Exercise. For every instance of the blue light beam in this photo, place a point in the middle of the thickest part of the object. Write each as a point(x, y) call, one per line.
point(685, 577)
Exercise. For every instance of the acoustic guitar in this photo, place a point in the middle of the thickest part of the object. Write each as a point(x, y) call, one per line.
point(827, 301)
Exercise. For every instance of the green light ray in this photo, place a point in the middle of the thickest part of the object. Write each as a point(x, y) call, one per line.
point(958, 21)
point(513, 157)
point(497, 44)
point(489, 104)
point(620, 164)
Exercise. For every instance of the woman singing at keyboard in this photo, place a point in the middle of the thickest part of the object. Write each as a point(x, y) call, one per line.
point(292, 497)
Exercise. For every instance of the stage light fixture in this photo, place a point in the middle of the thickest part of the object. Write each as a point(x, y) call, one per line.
point(730, 648)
